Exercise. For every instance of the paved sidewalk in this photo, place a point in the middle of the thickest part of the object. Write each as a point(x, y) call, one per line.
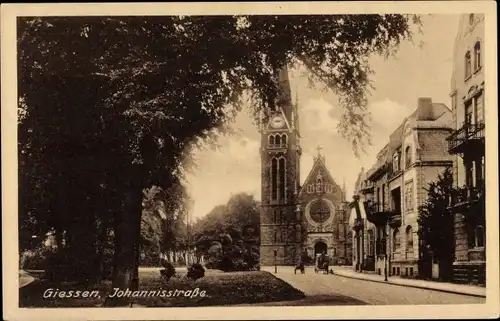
point(422, 284)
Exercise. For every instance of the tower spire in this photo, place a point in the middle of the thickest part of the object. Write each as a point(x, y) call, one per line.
point(284, 95)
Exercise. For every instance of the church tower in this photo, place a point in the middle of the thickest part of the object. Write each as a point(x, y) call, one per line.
point(280, 221)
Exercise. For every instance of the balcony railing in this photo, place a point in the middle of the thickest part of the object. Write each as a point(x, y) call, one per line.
point(377, 214)
point(466, 195)
point(462, 138)
point(395, 220)
point(277, 146)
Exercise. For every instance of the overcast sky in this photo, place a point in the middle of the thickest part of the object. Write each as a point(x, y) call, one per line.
point(415, 72)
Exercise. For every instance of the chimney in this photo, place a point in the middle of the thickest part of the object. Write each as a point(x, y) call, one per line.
point(425, 109)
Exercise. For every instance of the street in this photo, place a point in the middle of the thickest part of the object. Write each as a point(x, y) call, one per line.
point(373, 293)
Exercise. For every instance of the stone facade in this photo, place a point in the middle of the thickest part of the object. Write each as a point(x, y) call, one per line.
point(294, 220)
point(325, 214)
point(280, 225)
point(412, 159)
point(467, 146)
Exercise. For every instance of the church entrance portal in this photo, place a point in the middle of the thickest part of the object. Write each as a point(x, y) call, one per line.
point(320, 248)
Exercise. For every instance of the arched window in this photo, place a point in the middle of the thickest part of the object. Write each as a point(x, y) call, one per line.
point(275, 236)
point(319, 184)
point(271, 140)
point(477, 55)
point(409, 238)
point(395, 240)
point(408, 156)
point(283, 140)
point(281, 178)
point(468, 67)
point(277, 140)
point(479, 236)
point(275, 217)
point(371, 241)
point(274, 179)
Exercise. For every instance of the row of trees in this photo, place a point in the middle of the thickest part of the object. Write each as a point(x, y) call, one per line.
point(229, 236)
point(111, 106)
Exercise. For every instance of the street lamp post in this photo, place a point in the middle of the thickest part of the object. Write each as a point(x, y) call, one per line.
point(385, 267)
point(275, 265)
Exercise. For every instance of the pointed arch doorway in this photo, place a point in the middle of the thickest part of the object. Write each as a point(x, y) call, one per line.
point(319, 248)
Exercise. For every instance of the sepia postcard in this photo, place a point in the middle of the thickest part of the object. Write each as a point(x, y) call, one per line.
point(165, 161)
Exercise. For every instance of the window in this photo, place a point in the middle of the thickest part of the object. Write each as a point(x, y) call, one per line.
point(328, 188)
point(320, 212)
point(395, 240)
point(370, 242)
point(482, 169)
point(469, 174)
point(477, 56)
point(271, 140)
point(395, 162)
point(409, 196)
point(469, 112)
point(468, 67)
point(281, 178)
point(383, 198)
point(479, 236)
point(275, 236)
point(409, 238)
point(283, 140)
point(319, 184)
point(274, 179)
point(277, 140)
point(408, 156)
point(479, 109)
point(275, 219)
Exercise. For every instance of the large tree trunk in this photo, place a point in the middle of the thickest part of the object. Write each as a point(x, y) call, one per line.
point(127, 228)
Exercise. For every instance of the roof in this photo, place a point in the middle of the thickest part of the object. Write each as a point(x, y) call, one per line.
point(437, 116)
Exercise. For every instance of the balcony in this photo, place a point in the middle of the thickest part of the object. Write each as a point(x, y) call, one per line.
point(378, 214)
point(395, 220)
point(470, 137)
point(466, 196)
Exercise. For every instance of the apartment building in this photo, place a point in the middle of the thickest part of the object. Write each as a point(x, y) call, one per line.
point(396, 186)
point(467, 145)
point(363, 231)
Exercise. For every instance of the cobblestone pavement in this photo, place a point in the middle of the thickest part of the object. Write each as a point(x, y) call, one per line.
point(374, 293)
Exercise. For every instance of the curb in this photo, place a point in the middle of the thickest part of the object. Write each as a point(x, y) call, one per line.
point(411, 285)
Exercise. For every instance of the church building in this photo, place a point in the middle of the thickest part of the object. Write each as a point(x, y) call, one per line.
point(296, 220)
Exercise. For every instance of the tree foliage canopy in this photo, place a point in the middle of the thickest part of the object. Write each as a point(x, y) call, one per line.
point(436, 220)
point(109, 106)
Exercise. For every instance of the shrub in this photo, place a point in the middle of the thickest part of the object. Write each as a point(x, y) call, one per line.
point(226, 264)
point(35, 259)
point(196, 271)
point(168, 270)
